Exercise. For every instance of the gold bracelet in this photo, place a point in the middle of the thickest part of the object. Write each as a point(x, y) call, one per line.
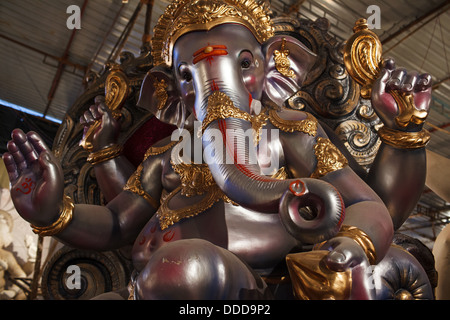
point(105, 154)
point(59, 225)
point(362, 239)
point(403, 139)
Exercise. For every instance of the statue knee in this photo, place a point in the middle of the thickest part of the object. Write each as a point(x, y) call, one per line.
point(197, 269)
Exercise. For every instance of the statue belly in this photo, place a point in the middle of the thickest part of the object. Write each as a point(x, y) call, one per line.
point(258, 239)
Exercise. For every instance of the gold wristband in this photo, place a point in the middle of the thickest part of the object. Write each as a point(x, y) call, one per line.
point(362, 239)
point(105, 154)
point(60, 224)
point(403, 139)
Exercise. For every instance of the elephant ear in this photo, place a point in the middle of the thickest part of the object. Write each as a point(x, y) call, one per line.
point(288, 61)
point(160, 95)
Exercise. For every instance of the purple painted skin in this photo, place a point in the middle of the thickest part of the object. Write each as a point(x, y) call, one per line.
point(236, 245)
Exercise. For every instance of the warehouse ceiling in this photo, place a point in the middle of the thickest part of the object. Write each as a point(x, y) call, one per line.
point(43, 63)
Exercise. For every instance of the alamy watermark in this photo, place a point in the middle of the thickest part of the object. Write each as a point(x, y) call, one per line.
point(374, 20)
point(74, 20)
point(73, 281)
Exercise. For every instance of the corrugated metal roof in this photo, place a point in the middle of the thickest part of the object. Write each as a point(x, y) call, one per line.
point(33, 33)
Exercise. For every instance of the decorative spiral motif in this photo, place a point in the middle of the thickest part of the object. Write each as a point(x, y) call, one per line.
point(99, 272)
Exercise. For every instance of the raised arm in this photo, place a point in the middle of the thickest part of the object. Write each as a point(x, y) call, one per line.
point(112, 169)
point(37, 190)
point(401, 100)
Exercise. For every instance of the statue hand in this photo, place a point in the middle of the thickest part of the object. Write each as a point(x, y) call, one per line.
point(108, 131)
point(37, 180)
point(403, 82)
point(344, 253)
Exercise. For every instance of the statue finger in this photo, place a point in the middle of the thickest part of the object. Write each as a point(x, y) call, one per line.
point(82, 120)
point(94, 112)
point(99, 99)
point(27, 150)
point(37, 143)
point(18, 157)
point(389, 64)
point(88, 117)
point(336, 261)
point(409, 82)
point(50, 170)
point(397, 78)
point(424, 82)
point(11, 167)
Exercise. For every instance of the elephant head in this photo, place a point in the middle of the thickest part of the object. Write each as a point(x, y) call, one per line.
point(218, 68)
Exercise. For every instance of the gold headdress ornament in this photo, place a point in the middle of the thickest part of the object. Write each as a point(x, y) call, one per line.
point(182, 16)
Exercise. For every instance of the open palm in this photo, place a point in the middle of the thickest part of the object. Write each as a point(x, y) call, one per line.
point(37, 181)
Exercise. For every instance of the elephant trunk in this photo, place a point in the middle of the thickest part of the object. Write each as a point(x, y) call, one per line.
point(231, 157)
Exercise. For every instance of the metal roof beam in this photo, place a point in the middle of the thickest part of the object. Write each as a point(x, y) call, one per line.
point(61, 65)
point(65, 61)
point(438, 11)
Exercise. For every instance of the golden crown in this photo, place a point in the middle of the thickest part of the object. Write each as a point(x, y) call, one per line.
point(182, 16)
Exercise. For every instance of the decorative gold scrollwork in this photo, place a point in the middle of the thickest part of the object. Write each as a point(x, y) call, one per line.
point(282, 63)
point(362, 56)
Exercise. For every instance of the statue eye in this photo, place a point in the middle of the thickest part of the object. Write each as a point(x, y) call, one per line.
point(184, 72)
point(187, 76)
point(246, 59)
point(245, 64)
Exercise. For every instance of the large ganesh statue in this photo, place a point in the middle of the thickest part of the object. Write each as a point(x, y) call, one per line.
point(255, 195)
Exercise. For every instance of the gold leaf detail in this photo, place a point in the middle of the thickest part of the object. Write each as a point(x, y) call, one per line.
point(161, 93)
point(282, 63)
point(308, 125)
point(313, 280)
point(329, 158)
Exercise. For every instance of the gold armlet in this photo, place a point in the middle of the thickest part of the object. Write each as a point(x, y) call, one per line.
point(329, 158)
point(134, 185)
point(362, 239)
point(105, 154)
point(60, 224)
point(308, 125)
point(404, 140)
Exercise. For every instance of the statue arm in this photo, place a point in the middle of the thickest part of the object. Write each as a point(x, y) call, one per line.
point(107, 227)
point(363, 207)
point(402, 101)
point(112, 168)
point(398, 177)
point(112, 175)
point(120, 221)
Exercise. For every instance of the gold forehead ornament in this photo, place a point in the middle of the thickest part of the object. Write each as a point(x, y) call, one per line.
point(183, 16)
